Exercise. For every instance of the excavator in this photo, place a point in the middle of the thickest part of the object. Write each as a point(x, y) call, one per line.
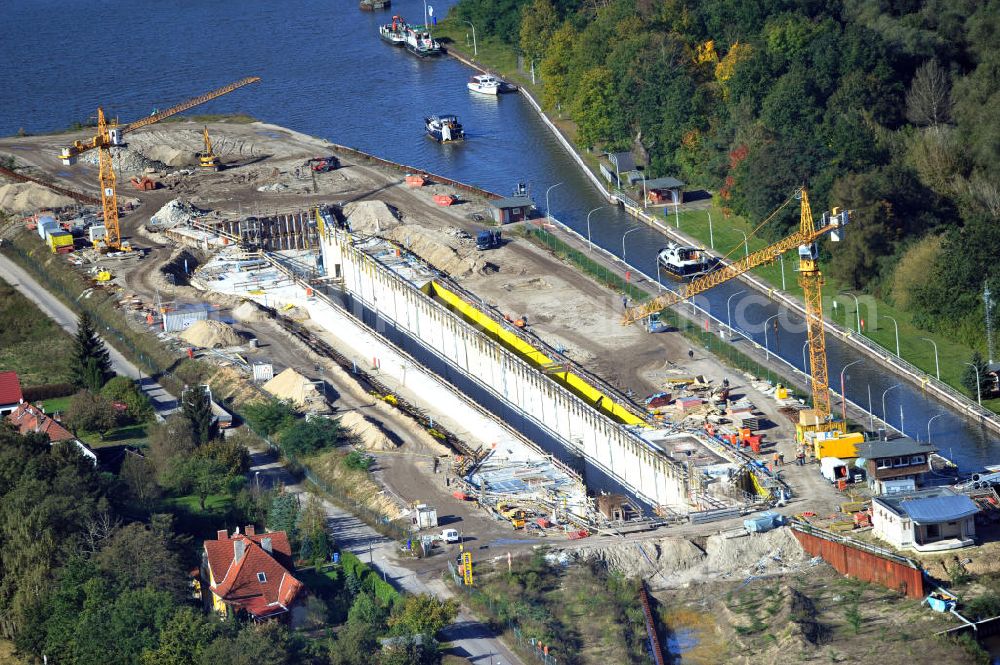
point(811, 280)
point(110, 133)
point(208, 159)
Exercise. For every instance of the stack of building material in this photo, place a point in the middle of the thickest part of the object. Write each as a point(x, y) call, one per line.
point(688, 404)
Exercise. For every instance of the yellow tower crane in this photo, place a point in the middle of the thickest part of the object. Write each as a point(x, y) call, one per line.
point(810, 278)
point(111, 134)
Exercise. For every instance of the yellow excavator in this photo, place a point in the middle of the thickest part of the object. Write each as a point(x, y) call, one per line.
point(110, 133)
point(208, 159)
point(509, 511)
point(811, 280)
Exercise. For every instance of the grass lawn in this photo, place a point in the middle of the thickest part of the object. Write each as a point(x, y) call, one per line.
point(132, 435)
point(56, 404)
point(328, 586)
point(31, 344)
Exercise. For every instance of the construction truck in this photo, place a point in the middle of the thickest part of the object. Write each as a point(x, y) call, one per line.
point(323, 164)
point(488, 239)
point(516, 515)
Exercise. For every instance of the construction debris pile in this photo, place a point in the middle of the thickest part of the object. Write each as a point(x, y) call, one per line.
point(370, 217)
point(173, 213)
point(125, 160)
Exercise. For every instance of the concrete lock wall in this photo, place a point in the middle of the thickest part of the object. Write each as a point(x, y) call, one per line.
point(614, 458)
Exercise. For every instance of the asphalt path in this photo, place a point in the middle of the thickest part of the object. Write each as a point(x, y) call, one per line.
point(16, 276)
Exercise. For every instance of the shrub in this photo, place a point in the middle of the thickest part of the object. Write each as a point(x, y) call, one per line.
point(47, 391)
point(303, 437)
point(358, 460)
point(268, 417)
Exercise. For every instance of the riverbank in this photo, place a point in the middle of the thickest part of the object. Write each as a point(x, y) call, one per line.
point(766, 280)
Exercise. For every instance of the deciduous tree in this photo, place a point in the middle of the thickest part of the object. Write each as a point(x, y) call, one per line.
point(91, 413)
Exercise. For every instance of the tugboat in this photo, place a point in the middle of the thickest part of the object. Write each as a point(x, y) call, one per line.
point(444, 128)
point(394, 33)
point(420, 43)
point(682, 262)
point(486, 84)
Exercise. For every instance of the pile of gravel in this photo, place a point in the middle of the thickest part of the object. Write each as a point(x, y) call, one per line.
point(126, 160)
point(174, 213)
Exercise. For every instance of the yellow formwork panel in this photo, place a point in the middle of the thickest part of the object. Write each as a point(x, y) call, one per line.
point(574, 382)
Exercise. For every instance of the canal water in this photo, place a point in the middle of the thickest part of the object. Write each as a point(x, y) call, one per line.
point(326, 73)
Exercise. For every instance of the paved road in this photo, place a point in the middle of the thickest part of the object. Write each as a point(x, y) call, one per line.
point(470, 638)
point(17, 277)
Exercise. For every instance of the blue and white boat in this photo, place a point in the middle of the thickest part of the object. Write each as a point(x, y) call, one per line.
point(444, 128)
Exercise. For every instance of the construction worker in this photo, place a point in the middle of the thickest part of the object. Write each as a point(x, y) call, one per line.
point(781, 459)
point(800, 456)
point(776, 459)
point(691, 354)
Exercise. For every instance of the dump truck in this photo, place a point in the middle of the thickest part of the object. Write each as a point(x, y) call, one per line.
point(516, 515)
point(488, 239)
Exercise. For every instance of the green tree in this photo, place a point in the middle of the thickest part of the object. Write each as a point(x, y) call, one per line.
point(139, 476)
point(308, 436)
point(229, 452)
point(423, 613)
point(90, 362)
point(91, 413)
point(124, 390)
point(283, 514)
point(538, 21)
point(593, 106)
point(183, 639)
point(315, 544)
point(201, 476)
point(555, 67)
point(170, 441)
point(269, 416)
point(196, 404)
point(974, 378)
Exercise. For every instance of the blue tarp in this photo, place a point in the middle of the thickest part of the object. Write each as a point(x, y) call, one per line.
point(939, 508)
point(763, 522)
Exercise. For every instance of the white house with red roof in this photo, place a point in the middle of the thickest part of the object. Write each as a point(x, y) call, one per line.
point(28, 419)
point(251, 572)
point(10, 392)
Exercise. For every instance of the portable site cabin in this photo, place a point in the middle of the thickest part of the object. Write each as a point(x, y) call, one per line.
point(511, 209)
point(60, 242)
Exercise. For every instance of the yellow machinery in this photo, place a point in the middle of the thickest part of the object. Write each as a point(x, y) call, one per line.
point(208, 159)
point(111, 133)
point(517, 516)
point(810, 278)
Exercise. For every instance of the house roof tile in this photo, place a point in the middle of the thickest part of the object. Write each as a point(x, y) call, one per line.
point(10, 388)
point(27, 419)
point(255, 581)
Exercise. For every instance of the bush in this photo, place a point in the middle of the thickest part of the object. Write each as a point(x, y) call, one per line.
point(358, 460)
point(982, 607)
point(47, 391)
point(270, 416)
point(124, 390)
point(303, 437)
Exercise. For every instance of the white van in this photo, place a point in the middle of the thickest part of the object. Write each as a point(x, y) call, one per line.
point(450, 536)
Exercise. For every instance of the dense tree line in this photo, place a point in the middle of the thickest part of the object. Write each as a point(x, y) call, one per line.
point(888, 108)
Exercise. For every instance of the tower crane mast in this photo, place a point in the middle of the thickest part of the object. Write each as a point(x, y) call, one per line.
point(810, 278)
point(111, 133)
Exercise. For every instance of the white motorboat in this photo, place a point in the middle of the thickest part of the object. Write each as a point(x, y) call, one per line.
point(681, 261)
point(444, 128)
point(485, 84)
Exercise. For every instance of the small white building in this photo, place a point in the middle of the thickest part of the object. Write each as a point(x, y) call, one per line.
point(930, 520)
point(424, 517)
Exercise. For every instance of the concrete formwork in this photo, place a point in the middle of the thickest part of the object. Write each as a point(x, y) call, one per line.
point(614, 458)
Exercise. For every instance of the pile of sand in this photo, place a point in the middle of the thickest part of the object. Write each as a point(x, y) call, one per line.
point(368, 433)
point(248, 312)
point(170, 155)
point(297, 389)
point(674, 562)
point(433, 247)
point(30, 196)
point(210, 335)
point(370, 217)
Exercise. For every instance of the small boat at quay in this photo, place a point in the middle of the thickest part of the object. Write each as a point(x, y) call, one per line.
point(444, 128)
point(682, 262)
point(485, 84)
point(394, 33)
point(420, 43)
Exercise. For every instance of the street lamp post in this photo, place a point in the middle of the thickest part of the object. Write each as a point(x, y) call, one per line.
point(746, 244)
point(885, 417)
point(937, 365)
point(767, 350)
point(589, 243)
point(843, 391)
point(711, 235)
point(623, 242)
point(475, 49)
point(645, 195)
point(781, 258)
point(979, 392)
point(896, 326)
point(805, 363)
point(547, 215)
point(857, 310)
point(871, 416)
point(729, 316)
point(933, 418)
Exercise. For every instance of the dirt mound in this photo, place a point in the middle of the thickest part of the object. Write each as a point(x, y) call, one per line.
point(369, 434)
point(126, 160)
point(30, 196)
point(370, 217)
point(211, 335)
point(170, 155)
point(230, 384)
point(297, 389)
point(674, 562)
point(248, 312)
point(436, 248)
